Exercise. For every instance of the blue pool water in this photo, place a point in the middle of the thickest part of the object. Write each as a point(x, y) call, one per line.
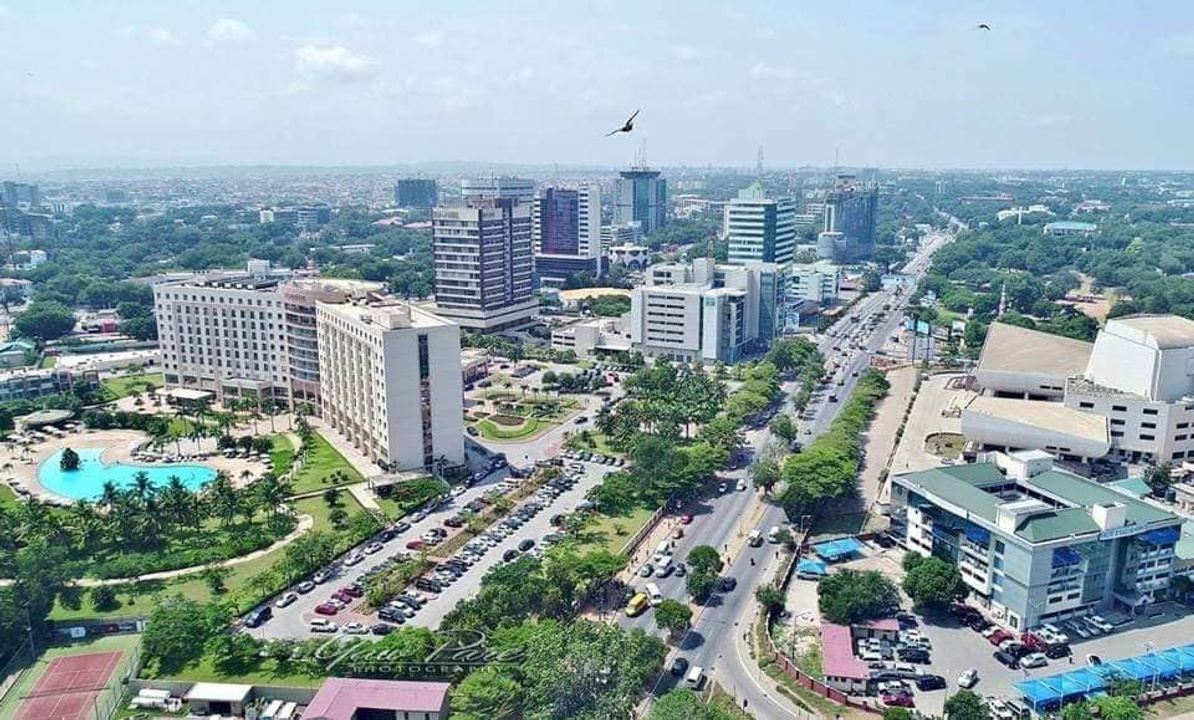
point(87, 483)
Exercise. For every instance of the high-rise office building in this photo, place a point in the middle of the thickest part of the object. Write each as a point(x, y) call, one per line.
point(760, 228)
point(17, 193)
point(390, 381)
point(848, 233)
point(475, 190)
point(642, 197)
point(566, 233)
point(484, 263)
point(416, 193)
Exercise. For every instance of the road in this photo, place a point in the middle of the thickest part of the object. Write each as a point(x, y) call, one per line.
point(716, 641)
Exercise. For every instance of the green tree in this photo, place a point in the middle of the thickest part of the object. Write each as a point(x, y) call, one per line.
point(851, 596)
point(489, 693)
point(897, 713)
point(673, 616)
point(682, 704)
point(934, 582)
point(966, 705)
point(765, 473)
point(1118, 708)
point(770, 597)
point(782, 426)
point(103, 598)
point(178, 629)
point(69, 460)
point(1159, 478)
point(45, 321)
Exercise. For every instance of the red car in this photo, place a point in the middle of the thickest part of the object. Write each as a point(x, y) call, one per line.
point(326, 609)
point(1034, 643)
point(999, 636)
point(898, 700)
point(353, 590)
point(685, 519)
point(344, 597)
point(454, 522)
point(416, 545)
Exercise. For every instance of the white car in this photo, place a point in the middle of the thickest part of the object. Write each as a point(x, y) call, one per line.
point(322, 625)
point(722, 488)
point(741, 485)
point(1100, 622)
point(286, 598)
point(354, 559)
point(355, 628)
point(373, 548)
point(458, 490)
point(1034, 660)
point(321, 577)
point(968, 678)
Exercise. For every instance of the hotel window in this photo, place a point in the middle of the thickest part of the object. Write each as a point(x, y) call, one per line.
point(1144, 436)
point(1119, 408)
point(1086, 405)
point(1149, 411)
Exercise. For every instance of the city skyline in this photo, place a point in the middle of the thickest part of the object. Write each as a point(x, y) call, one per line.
point(369, 85)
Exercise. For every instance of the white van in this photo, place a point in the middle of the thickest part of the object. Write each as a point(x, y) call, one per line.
point(773, 534)
point(663, 548)
point(654, 594)
point(663, 566)
point(695, 679)
point(755, 539)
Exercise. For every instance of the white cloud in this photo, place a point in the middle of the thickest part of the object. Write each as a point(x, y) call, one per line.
point(430, 39)
point(684, 52)
point(335, 62)
point(229, 30)
point(770, 72)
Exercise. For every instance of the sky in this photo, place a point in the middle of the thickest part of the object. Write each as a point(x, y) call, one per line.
point(1058, 84)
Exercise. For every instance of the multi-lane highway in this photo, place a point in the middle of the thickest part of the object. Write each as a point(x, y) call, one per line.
point(716, 641)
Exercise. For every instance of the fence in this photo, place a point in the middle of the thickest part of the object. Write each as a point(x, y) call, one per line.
point(109, 699)
point(15, 668)
point(648, 527)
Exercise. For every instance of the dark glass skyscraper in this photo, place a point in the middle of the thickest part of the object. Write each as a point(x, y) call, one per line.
point(416, 193)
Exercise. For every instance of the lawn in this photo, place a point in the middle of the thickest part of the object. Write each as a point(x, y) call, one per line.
point(320, 464)
point(118, 387)
point(591, 441)
point(493, 431)
point(8, 497)
point(139, 599)
point(610, 532)
point(282, 455)
point(267, 673)
point(48, 361)
point(946, 445)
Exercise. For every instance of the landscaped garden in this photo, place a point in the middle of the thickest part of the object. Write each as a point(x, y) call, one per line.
point(320, 466)
point(125, 385)
point(507, 416)
point(945, 444)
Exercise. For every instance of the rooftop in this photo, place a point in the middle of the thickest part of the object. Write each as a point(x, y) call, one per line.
point(219, 692)
point(1009, 348)
point(340, 698)
point(837, 650)
point(972, 490)
point(385, 315)
point(1072, 225)
point(1164, 332)
point(1052, 416)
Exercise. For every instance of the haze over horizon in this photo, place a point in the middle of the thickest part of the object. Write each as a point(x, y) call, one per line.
point(369, 84)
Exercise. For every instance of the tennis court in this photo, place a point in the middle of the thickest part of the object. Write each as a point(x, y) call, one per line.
point(68, 687)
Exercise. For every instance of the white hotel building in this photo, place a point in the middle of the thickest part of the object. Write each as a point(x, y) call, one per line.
point(390, 382)
point(243, 336)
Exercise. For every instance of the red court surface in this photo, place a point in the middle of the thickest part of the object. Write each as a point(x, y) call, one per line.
point(67, 689)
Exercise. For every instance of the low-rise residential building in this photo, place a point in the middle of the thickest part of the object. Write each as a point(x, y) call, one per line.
point(30, 383)
point(817, 283)
point(1034, 543)
point(633, 257)
point(357, 699)
point(1070, 227)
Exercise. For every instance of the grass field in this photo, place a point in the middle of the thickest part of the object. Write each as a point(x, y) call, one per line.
point(267, 673)
point(610, 532)
point(124, 643)
point(597, 442)
point(138, 599)
point(946, 445)
point(8, 497)
point(493, 431)
point(282, 455)
point(118, 387)
point(322, 462)
point(48, 361)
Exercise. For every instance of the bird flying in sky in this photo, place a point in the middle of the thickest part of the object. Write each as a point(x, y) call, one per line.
point(627, 127)
point(983, 26)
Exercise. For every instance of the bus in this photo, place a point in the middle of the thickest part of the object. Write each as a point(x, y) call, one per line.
point(637, 605)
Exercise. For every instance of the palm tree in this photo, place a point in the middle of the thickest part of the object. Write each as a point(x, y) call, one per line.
point(177, 502)
point(197, 433)
point(142, 486)
point(224, 500)
point(109, 495)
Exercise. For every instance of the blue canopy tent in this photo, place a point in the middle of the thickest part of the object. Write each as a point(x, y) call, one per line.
point(840, 549)
point(812, 568)
point(1151, 668)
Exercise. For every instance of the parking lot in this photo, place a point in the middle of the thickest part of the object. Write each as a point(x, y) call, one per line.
point(954, 647)
point(294, 619)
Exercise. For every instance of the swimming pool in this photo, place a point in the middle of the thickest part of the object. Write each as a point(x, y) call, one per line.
point(87, 483)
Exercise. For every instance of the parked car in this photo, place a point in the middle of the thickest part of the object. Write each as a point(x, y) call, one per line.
point(258, 616)
point(1100, 622)
point(286, 598)
point(968, 678)
point(1093, 660)
point(381, 628)
point(526, 545)
point(728, 583)
point(1034, 660)
point(322, 625)
point(326, 608)
point(913, 655)
point(899, 700)
point(416, 545)
point(685, 519)
point(1055, 652)
point(679, 667)
point(1005, 658)
point(355, 628)
point(930, 682)
point(305, 587)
